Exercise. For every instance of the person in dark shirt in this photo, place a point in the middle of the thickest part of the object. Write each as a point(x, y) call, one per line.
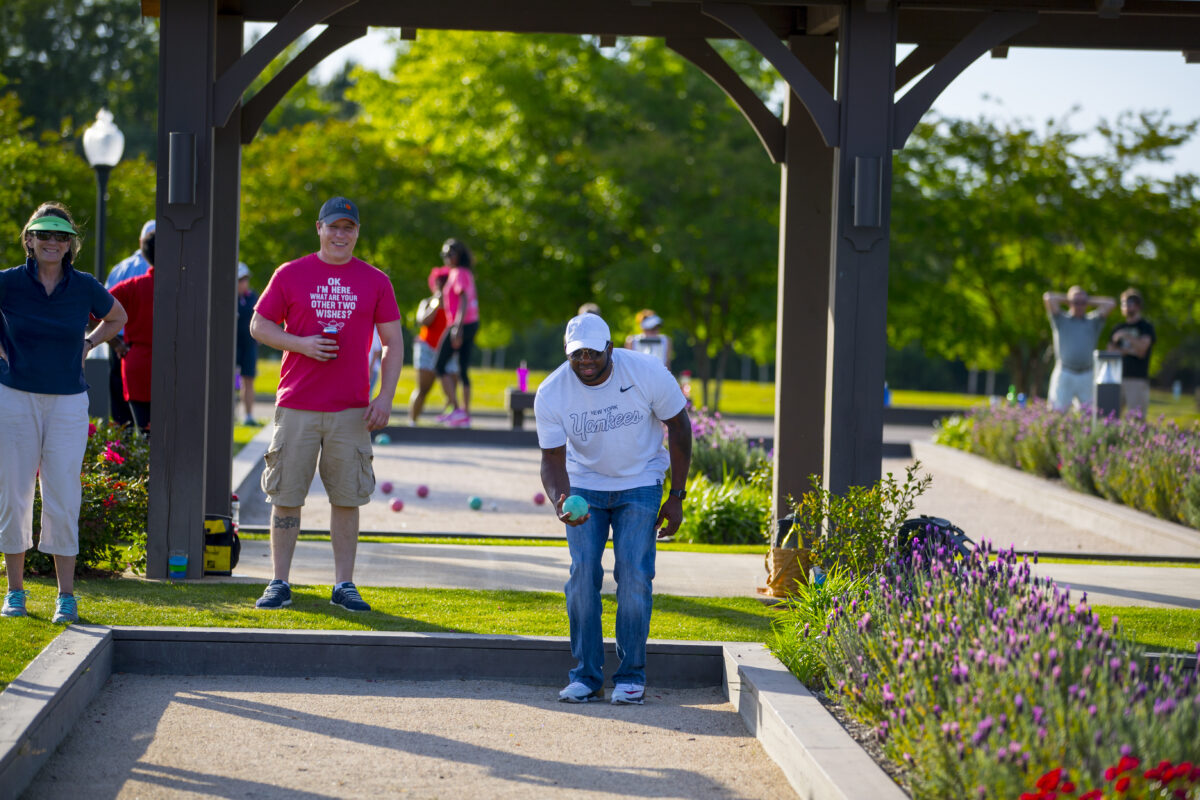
point(1134, 339)
point(247, 347)
point(45, 308)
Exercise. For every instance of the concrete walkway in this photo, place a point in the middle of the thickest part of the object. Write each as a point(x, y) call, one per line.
point(506, 480)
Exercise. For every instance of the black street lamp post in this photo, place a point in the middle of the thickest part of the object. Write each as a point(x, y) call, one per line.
point(103, 144)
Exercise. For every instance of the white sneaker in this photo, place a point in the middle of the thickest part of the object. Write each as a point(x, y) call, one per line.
point(577, 692)
point(628, 694)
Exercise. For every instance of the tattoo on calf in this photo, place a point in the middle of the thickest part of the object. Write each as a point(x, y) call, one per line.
point(283, 523)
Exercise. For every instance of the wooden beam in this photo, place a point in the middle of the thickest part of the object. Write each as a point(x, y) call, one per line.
point(745, 22)
point(265, 99)
point(993, 31)
point(768, 127)
point(234, 82)
point(919, 60)
point(822, 20)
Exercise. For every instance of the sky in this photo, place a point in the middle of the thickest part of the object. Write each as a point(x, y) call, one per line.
point(1031, 85)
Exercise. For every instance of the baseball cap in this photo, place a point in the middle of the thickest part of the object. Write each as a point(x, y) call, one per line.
point(243, 270)
point(147, 229)
point(586, 331)
point(652, 321)
point(336, 208)
point(51, 222)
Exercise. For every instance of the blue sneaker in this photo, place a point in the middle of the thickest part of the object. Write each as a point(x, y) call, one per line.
point(347, 596)
point(577, 692)
point(14, 604)
point(277, 595)
point(65, 610)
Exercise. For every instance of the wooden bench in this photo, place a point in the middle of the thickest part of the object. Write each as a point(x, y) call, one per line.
point(517, 403)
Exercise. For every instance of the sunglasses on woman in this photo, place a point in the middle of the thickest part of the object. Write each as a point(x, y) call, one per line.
point(57, 236)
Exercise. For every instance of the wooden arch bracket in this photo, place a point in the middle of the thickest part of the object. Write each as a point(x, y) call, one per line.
point(997, 28)
point(746, 23)
point(768, 126)
point(255, 112)
point(233, 83)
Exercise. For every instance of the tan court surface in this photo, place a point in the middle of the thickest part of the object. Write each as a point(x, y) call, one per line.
point(234, 737)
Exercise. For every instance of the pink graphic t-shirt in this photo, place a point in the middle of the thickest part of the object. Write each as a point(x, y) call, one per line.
point(307, 294)
point(460, 287)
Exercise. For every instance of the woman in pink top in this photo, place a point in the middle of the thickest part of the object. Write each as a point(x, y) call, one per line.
point(462, 306)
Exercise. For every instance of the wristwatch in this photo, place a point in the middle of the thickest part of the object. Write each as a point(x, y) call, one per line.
point(89, 341)
point(680, 493)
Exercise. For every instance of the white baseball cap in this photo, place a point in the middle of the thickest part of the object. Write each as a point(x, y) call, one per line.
point(586, 331)
point(147, 229)
point(243, 271)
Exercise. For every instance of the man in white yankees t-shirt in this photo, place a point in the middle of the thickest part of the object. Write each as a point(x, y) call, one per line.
point(600, 423)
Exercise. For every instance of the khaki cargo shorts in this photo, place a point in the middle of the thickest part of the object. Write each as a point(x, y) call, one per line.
point(336, 440)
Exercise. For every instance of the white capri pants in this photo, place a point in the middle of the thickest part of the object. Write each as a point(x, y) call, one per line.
point(1066, 386)
point(46, 433)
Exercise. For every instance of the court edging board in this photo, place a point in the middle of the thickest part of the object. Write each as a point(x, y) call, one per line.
point(39, 708)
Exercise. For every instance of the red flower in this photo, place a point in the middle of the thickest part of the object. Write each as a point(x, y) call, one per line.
point(1123, 784)
point(110, 502)
point(1049, 781)
point(1127, 763)
point(91, 429)
point(1094, 794)
point(114, 456)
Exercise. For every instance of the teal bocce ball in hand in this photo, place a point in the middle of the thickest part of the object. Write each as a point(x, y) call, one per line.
point(575, 507)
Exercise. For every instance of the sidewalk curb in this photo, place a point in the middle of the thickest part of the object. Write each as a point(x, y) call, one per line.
point(43, 704)
point(1130, 527)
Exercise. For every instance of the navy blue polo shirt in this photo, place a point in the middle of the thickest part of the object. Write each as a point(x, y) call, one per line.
point(43, 334)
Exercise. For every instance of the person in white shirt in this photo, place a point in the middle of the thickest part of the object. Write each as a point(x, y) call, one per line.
point(600, 419)
point(651, 340)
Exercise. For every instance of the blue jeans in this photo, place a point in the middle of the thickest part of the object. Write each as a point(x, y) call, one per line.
point(631, 514)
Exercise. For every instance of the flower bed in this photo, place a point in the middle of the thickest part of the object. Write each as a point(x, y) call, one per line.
point(729, 485)
point(982, 681)
point(1150, 466)
point(112, 516)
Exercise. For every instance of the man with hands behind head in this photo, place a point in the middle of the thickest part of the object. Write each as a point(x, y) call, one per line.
point(600, 420)
point(320, 310)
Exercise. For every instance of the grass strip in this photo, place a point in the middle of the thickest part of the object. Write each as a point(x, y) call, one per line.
point(231, 605)
point(383, 538)
point(1175, 629)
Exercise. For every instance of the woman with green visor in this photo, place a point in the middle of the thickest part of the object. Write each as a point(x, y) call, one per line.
point(45, 306)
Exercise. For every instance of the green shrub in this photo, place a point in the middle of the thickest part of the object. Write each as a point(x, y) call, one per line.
point(720, 450)
point(798, 632)
point(954, 431)
point(859, 528)
point(1149, 466)
point(112, 515)
point(734, 511)
point(983, 681)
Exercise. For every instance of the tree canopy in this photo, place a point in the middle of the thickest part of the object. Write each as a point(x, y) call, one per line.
point(987, 217)
point(621, 176)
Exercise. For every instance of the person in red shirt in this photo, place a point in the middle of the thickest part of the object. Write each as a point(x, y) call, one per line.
point(321, 311)
point(432, 317)
point(137, 296)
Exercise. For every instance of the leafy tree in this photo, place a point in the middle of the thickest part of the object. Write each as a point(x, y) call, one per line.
point(48, 168)
point(987, 217)
point(578, 175)
point(66, 58)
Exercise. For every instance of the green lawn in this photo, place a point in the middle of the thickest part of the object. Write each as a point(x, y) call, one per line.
point(738, 397)
point(231, 605)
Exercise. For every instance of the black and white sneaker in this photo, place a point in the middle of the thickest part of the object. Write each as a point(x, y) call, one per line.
point(628, 694)
point(577, 692)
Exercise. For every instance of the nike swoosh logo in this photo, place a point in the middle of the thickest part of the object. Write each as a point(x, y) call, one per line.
point(627, 388)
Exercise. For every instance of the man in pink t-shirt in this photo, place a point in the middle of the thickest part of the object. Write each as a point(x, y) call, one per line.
point(321, 311)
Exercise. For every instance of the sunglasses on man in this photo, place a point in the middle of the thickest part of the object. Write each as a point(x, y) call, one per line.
point(58, 236)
